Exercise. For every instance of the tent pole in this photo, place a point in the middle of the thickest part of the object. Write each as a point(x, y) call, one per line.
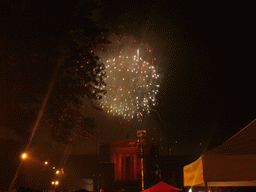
point(205, 186)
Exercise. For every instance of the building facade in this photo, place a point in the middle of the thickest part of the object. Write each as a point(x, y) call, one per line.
point(126, 156)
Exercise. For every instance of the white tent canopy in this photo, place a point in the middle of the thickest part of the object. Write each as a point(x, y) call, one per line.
point(231, 164)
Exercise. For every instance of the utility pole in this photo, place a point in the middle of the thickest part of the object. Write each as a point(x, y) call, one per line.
point(142, 134)
point(98, 163)
point(142, 168)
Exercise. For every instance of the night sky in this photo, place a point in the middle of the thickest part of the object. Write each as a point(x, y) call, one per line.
point(205, 48)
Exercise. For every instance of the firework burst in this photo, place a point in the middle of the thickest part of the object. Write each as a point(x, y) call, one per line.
point(132, 81)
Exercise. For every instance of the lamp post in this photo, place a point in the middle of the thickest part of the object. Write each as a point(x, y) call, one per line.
point(142, 134)
point(23, 157)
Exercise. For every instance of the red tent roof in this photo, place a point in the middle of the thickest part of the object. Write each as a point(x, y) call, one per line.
point(162, 187)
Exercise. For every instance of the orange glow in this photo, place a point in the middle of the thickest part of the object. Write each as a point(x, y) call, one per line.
point(24, 155)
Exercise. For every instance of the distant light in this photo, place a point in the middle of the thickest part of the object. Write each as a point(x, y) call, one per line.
point(24, 155)
point(190, 190)
point(57, 172)
point(52, 182)
point(53, 168)
point(56, 182)
point(46, 162)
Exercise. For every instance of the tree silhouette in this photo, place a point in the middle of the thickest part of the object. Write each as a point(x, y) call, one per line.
point(61, 37)
point(80, 77)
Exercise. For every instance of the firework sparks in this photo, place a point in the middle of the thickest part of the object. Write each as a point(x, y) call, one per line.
point(131, 78)
point(132, 83)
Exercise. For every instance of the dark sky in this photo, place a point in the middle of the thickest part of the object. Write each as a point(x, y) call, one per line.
point(207, 93)
point(206, 52)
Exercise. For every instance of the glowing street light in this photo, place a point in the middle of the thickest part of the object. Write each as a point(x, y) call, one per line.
point(57, 172)
point(55, 182)
point(46, 162)
point(24, 155)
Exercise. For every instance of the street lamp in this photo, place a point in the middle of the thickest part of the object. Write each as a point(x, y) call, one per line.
point(55, 182)
point(24, 155)
point(46, 162)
